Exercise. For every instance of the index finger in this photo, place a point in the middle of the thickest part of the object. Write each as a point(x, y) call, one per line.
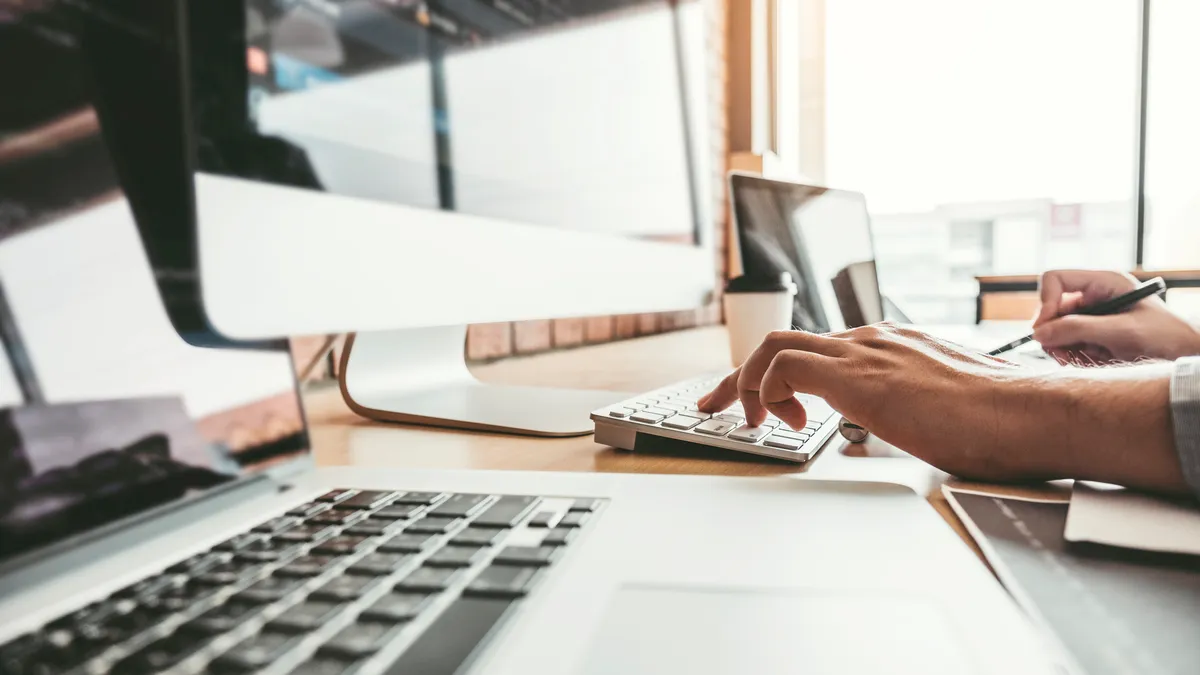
point(750, 378)
point(1093, 285)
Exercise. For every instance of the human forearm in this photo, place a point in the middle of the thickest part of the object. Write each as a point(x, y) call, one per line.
point(1111, 425)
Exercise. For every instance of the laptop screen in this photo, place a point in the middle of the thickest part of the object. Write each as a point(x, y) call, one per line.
point(114, 399)
point(822, 237)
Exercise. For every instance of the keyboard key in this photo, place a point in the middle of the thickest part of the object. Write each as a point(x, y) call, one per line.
point(574, 519)
point(367, 499)
point(303, 533)
point(682, 422)
point(586, 504)
point(269, 590)
point(337, 517)
point(474, 536)
point(621, 413)
point(277, 525)
point(526, 556)
point(749, 434)
point(406, 542)
point(422, 498)
point(647, 418)
point(715, 427)
point(455, 556)
point(159, 655)
point(345, 588)
point(335, 496)
point(396, 607)
point(544, 519)
point(379, 564)
point(725, 417)
point(502, 581)
point(201, 563)
point(307, 566)
point(505, 512)
point(255, 653)
point(221, 619)
point(653, 410)
point(560, 536)
point(374, 527)
point(304, 617)
point(340, 545)
point(358, 640)
point(799, 436)
point(309, 509)
point(398, 511)
point(635, 406)
point(776, 441)
point(430, 579)
point(677, 407)
point(449, 641)
point(459, 506)
point(432, 525)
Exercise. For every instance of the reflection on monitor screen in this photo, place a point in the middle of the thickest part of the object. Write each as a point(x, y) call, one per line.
point(105, 410)
point(560, 113)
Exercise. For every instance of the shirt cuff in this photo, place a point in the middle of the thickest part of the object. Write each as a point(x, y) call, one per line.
point(1185, 417)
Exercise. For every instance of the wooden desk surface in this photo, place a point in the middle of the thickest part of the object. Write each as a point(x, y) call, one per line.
point(341, 438)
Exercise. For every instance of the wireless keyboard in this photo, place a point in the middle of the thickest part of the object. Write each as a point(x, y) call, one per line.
point(671, 412)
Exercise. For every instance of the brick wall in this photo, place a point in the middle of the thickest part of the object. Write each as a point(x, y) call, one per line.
point(491, 341)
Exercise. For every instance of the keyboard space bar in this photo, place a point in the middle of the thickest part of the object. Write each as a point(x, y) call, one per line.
point(447, 644)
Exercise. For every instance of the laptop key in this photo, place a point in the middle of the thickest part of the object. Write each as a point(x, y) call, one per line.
point(422, 498)
point(322, 666)
point(443, 647)
point(560, 536)
point(338, 517)
point(221, 619)
point(379, 564)
point(367, 499)
point(373, 527)
point(340, 545)
point(308, 509)
point(544, 519)
point(574, 519)
point(529, 556)
point(159, 655)
point(269, 590)
point(501, 581)
point(455, 556)
point(255, 653)
point(304, 533)
point(406, 542)
point(586, 504)
point(459, 506)
point(474, 536)
point(358, 640)
point(398, 511)
point(345, 588)
point(396, 607)
point(335, 496)
point(241, 541)
point(305, 617)
point(429, 579)
point(432, 525)
point(506, 512)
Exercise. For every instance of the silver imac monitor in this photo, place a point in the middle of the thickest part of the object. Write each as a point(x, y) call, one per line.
point(403, 168)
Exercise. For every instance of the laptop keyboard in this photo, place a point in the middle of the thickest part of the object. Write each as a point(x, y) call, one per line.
point(672, 411)
point(354, 581)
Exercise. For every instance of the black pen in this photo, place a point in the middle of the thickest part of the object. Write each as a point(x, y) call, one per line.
point(1120, 303)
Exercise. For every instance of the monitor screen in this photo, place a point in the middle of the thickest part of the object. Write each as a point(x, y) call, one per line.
point(106, 411)
point(563, 113)
point(821, 237)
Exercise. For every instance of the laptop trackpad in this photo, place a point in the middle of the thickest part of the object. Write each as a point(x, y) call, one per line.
point(651, 630)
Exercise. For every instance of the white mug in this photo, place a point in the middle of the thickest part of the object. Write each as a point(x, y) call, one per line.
point(755, 306)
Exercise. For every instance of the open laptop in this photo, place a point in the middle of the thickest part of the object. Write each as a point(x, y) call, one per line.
point(160, 511)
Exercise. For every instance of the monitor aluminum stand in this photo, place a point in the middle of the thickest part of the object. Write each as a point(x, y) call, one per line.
point(420, 376)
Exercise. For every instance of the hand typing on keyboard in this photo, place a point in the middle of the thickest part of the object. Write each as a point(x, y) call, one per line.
point(960, 410)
